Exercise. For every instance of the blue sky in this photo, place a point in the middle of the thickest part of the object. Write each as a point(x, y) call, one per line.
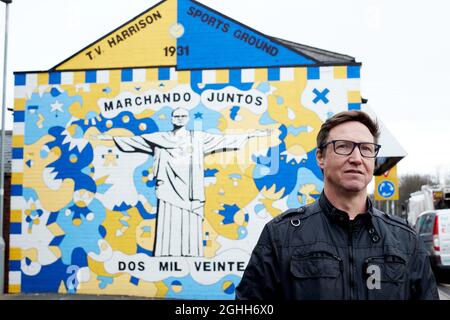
point(401, 44)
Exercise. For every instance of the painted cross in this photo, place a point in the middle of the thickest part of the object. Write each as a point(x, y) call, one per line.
point(321, 95)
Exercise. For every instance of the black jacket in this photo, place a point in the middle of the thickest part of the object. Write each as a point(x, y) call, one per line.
point(316, 252)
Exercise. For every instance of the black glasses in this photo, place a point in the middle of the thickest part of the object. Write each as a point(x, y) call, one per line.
point(345, 148)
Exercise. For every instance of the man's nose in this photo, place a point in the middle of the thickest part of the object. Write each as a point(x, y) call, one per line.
point(355, 156)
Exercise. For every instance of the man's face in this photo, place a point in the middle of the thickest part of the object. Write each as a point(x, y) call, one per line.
point(180, 117)
point(350, 173)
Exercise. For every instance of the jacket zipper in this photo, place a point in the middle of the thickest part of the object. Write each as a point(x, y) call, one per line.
point(350, 257)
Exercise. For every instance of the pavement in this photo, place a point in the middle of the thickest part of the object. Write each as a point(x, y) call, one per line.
point(444, 294)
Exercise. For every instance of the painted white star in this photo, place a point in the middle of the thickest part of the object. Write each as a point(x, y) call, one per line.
point(56, 106)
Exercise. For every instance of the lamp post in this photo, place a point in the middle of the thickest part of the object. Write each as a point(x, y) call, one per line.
point(2, 173)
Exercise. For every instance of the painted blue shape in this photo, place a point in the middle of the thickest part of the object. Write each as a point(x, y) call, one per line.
point(273, 74)
point(66, 169)
point(235, 176)
point(20, 79)
point(28, 163)
point(144, 213)
point(242, 232)
point(230, 289)
point(16, 189)
point(28, 261)
point(90, 76)
point(198, 115)
point(304, 176)
point(145, 173)
point(228, 213)
point(52, 217)
point(103, 188)
point(102, 231)
point(55, 92)
point(264, 87)
point(15, 228)
point(353, 72)
point(280, 100)
point(104, 281)
point(54, 78)
point(19, 116)
point(210, 172)
point(79, 258)
point(17, 153)
point(297, 130)
point(354, 106)
point(145, 251)
point(259, 207)
point(14, 265)
point(127, 75)
point(266, 119)
point(134, 281)
point(146, 229)
point(321, 95)
point(56, 241)
point(196, 77)
point(235, 76)
point(107, 90)
point(197, 290)
point(313, 73)
point(231, 39)
point(29, 194)
point(163, 73)
point(234, 112)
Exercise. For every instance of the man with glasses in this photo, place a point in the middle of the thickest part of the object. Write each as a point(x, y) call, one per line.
point(340, 247)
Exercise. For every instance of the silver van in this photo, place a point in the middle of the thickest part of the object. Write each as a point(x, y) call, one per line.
point(433, 227)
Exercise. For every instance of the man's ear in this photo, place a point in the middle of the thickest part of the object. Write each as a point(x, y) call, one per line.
point(319, 157)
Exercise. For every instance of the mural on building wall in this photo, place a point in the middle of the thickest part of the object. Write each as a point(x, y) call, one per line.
point(157, 181)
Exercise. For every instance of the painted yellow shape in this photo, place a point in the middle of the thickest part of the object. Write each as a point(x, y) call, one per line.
point(222, 76)
point(62, 287)
point(340, 72)
point(16, 178)
point(354, 96)
point(98, 268)
point(300, 75)
point(268, 204)
point(307, 190)
point(18, 141)
point(55, 229)
point(110, 159)
point(138, 43)
point(210, 251)
point(225, 192)
point(300, 116)
point(101, 180)
point(51, 200)
point(56, 251)
point(16, 216)
point(120, 285)
point(261, 75)
point(31, 254)
point(19, 104)
point(151, 74)
point(14, 288)
point(146, 239)
point(43, 78)
point(15, 253)
point(184, 76)
point(125, 243)
point(271, 193)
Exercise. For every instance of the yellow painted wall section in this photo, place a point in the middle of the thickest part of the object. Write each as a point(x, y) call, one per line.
point(141, 42)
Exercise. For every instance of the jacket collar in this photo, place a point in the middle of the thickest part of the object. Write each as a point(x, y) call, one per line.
point(340, 216)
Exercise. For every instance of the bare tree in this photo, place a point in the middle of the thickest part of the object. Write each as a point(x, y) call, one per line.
point(410, 183)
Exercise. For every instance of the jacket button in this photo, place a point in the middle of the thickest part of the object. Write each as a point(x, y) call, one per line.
point(375, 238)
point(371, 230)
point(295, 223)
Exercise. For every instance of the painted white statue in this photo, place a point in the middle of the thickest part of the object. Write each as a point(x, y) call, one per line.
point(178, 168)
